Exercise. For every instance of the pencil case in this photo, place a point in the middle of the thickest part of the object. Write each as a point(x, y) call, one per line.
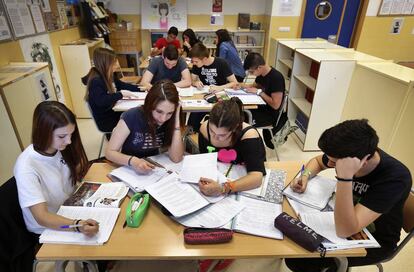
point(135, 214)
point(197, 236)
point(300, 233)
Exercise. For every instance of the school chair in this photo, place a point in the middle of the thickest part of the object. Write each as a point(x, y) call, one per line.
point(283, 132)
point(104, 133)
point(17, 244)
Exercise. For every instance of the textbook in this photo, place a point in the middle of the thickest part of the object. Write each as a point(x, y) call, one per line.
point(245, 97)
point(105, 216)
point(136, 181)
point(324, 224)
point(318, 192)
point(97, 194)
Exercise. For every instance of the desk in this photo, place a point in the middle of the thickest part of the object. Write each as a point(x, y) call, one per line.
point(160, 238)
point(124, 105)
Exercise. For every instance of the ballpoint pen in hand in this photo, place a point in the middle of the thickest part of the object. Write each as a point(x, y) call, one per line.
point(71, 226)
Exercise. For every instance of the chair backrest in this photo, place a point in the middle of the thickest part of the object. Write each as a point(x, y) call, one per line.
point(408, 213)
point(282, 108)
point(94, 121)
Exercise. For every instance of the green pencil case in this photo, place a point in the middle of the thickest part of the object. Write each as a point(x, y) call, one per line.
point(136, 210)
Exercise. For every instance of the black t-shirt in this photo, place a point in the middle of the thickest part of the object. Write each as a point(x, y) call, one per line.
point(384, 191)
point(250, 151)
point(140, 142)
point(214, 74)
point(273, 82)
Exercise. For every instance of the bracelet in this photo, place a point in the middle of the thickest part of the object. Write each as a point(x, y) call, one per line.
point(344, 179)
point(129, 160)
point(76, 223)
point(177, 128)
point(307, 173)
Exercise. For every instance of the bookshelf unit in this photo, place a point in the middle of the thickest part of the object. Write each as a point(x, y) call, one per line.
point(285, 50)
point(77, 61)
point(318, 90)
point(383, 93)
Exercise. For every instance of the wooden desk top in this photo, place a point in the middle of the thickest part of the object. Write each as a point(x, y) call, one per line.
point(159, 237)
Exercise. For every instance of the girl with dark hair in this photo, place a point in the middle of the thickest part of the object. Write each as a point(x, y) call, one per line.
point(225, 129)
point(104, 90)
point(189, 40)
point(227, 50)
point(48, 169)
point(142, 131)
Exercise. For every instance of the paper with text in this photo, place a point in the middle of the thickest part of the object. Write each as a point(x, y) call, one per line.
point(199, 165)
point(138, 182)
point(106, 218)
point(178, 198)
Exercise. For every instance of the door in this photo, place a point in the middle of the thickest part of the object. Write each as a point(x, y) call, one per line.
point(333, 20)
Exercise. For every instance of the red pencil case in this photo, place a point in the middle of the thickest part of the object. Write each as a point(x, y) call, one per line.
point(196, 236)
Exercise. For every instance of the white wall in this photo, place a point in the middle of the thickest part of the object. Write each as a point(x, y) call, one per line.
point(125, 6)
point(286, 7)
point(373, 7)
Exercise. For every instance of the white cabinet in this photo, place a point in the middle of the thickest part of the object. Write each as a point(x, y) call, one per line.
point(23, 86)
point(77, 61)
point(383, 93)
point(318, 89)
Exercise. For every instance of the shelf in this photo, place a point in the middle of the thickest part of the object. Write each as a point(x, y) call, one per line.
point(287, 62)
point(241, 46)
point(303, 105)
point(308, 81)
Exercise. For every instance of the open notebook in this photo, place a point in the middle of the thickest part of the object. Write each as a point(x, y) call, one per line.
point(105, 216)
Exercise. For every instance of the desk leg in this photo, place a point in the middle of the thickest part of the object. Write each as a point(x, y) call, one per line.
point(341, 263)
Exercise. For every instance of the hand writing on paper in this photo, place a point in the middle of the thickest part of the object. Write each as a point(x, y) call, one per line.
point(347, 167)
point(299, 184)
point(89, 227)
point(127, 94)
point(199, 85)
point(141, 166)
point(209, 187)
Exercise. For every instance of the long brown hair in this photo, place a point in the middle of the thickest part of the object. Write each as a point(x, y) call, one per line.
point(103, 59)
point(228, 114)
point(48, 116)
point(161, 91)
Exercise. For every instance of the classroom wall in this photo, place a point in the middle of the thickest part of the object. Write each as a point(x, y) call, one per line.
point(14, 53)
point(375, 37)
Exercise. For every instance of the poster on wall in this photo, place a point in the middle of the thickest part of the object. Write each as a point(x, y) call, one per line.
point(396, 25)
point(217, 6)
point(397, 7)
point(385, 8)
point(39, 49)
point(5, 33)
point(164, 14)
point(45, 5)
point(20, 18)
point(37, 18)
point(408, 7)
point(217, 19)
point(41, 83)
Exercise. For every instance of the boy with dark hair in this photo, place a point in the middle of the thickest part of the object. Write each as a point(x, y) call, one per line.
point(161, 43)
point(269, 85)
point(169, 66)
point(211, 71)
point(371, 191)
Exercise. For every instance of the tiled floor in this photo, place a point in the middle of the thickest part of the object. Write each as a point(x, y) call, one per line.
point(288, 152)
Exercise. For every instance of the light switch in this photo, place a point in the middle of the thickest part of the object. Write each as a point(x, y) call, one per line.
point(284, 28)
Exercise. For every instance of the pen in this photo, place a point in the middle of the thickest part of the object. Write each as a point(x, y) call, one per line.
point(228, 170)
point(154, 162)
point(71, 226)
point(302, 170)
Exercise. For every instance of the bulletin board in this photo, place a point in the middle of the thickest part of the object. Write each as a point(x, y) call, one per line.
point(162, 14)
point(396, 7)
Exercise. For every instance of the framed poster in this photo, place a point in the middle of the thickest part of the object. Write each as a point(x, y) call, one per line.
point(20, 18)
point(162, 14)
point(5, 31)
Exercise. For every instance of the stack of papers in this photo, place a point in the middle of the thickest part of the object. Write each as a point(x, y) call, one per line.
point(245, 97)
point(197, 166)
point(138, 182)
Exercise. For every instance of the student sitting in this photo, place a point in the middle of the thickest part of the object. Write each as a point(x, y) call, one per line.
point(226, 129)
point(210, 71)
point(189, 40)
point(371, 191)
point(101, 94)
point(169, 66)
point(48, 169)
point(161, 43)
point(270, 85)
point(142, 131)
point(227, 50)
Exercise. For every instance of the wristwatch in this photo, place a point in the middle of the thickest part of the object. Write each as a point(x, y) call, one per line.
point(259, 91)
